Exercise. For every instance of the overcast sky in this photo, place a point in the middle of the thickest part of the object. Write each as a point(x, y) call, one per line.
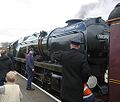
point(19, 18)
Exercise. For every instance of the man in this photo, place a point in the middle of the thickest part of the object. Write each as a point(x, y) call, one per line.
point(5, 66)
point(75, 72)
point(29, 69)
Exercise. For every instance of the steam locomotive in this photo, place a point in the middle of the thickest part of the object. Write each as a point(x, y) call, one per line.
point(94, 37)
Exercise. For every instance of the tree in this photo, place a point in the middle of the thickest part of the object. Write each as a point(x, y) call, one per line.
point(5, 44)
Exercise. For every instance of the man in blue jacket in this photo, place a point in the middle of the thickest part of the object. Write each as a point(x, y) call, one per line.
point(29, 69)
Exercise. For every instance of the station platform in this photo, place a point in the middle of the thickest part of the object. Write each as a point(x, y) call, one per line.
point(38, 95)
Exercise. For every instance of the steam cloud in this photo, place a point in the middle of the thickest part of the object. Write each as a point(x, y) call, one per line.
point(102, 8)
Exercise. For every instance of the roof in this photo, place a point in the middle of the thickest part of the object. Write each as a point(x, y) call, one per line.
point(115, 13)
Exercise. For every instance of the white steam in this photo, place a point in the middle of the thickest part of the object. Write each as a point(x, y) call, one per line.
point(100, 8)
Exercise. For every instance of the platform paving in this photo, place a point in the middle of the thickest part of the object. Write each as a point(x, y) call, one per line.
point(33, 96)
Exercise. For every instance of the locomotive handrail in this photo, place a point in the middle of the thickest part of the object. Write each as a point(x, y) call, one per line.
point(49, 66)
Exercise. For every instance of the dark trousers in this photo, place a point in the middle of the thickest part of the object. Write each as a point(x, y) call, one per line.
point(29, 77)
point(63, 100)
point(2, 80)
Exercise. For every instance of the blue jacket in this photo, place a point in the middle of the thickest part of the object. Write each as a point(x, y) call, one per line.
point(29, 61)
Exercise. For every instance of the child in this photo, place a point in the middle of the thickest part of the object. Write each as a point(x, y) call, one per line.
point(87, 94)
point(10, 92)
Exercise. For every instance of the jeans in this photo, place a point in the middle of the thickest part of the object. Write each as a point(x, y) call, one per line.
point(29, 77)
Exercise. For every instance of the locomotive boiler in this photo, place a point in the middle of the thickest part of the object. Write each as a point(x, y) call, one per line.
point(94, 37)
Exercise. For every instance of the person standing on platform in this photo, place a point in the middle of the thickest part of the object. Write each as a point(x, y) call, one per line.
point(5, 66)
point(10, 92)
point(75, 73)
point(29, 69)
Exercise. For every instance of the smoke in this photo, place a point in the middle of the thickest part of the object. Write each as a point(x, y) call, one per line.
point(101, 8)
point(85, 9)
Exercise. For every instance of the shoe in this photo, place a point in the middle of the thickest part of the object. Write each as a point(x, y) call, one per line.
point(30, 89)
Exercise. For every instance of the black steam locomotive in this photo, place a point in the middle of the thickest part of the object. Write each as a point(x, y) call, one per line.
point(94, 35)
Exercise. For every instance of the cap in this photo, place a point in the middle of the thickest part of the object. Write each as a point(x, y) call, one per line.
point(75, 41)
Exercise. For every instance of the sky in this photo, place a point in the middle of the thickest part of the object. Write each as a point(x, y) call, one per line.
point(19, 18)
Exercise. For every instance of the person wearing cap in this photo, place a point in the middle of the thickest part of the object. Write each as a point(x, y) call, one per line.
point(29, 69)
point(5, 66)
point(75, 72)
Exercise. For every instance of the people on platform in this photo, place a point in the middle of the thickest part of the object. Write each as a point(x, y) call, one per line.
point(5, 66)
point(75, 72)
point(10, 92)
point(29, 69)
point(87, 94)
